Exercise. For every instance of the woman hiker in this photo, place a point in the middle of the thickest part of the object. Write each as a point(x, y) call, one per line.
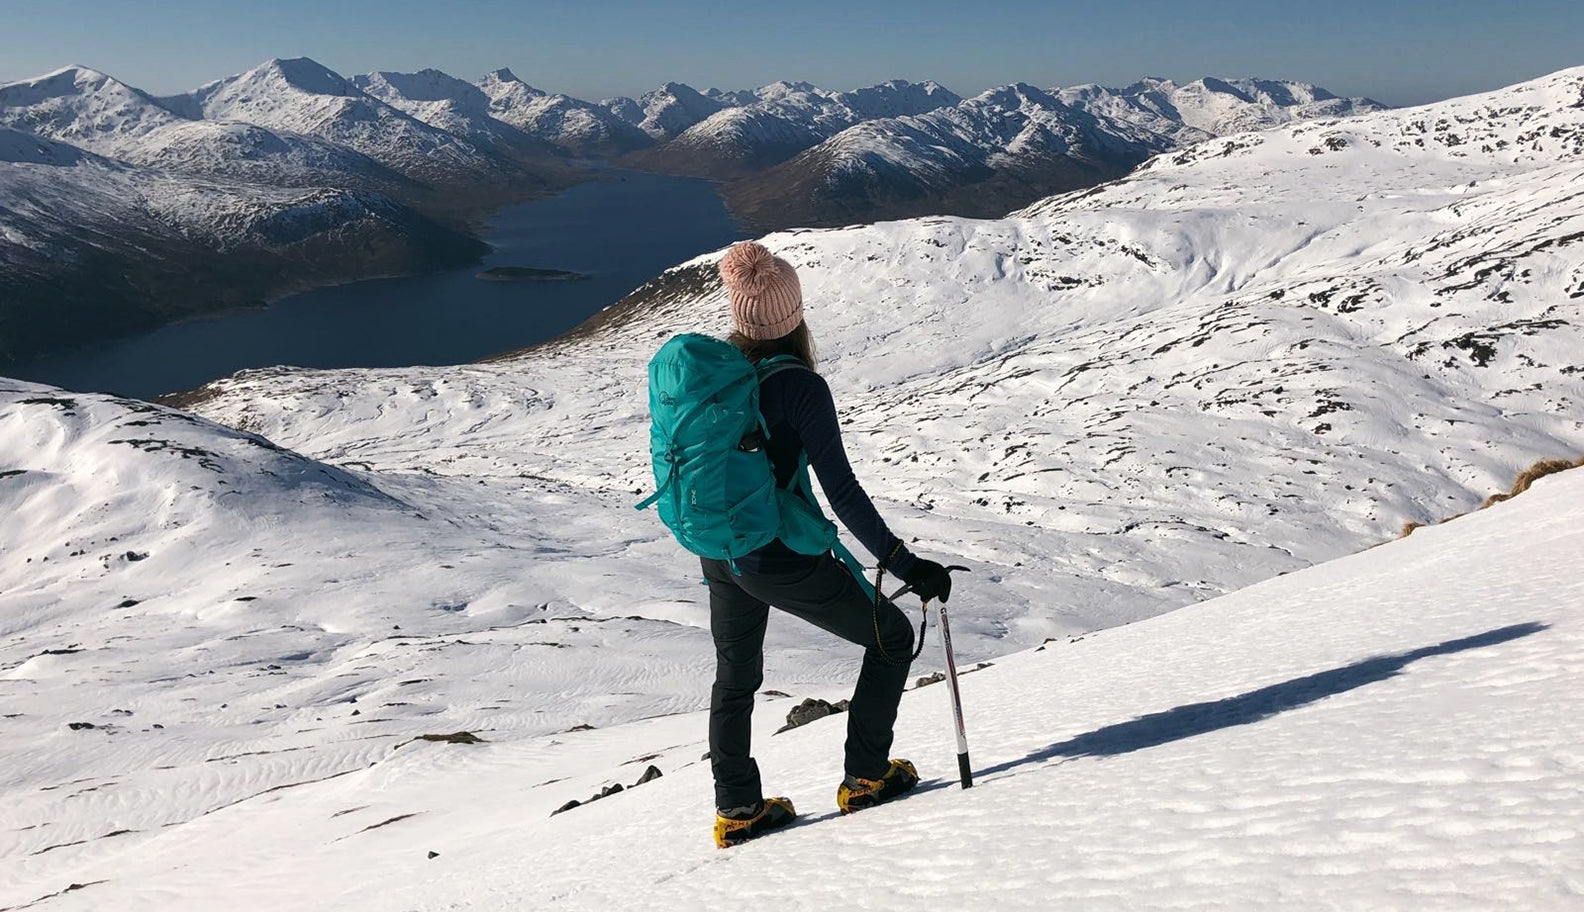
point(767, 316)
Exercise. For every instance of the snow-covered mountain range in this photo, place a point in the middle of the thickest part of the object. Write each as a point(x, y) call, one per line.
point(120, 211)
point(1013, 144)
point(669, 110)
point(450, 104)
point(427, 147)
point(578, 127)
point(304, 97)
point(101, 114)
point(1257, 353)
point(781, 120)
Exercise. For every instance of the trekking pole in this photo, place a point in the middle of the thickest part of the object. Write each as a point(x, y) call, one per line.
point(964, 768)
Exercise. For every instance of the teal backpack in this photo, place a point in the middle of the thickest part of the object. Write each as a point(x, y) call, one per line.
point(716, 488)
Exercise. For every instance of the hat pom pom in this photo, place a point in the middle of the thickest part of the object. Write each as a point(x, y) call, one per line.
point(748, 267)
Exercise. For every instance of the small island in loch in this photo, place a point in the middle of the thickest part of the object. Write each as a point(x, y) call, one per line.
point(528, 274)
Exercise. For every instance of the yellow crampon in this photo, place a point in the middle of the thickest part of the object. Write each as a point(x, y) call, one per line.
point(899, 778)
point(776, 813)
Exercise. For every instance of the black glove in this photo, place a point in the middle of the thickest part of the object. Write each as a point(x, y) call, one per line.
point(929, 580)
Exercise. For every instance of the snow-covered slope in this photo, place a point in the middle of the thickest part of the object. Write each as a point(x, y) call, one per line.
point(1396, 729)
point(565, 122)
point(80, 105)
point(230, 616)
point(1012, 145)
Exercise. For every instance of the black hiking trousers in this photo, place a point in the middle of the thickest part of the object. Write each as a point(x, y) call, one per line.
point(822, 591)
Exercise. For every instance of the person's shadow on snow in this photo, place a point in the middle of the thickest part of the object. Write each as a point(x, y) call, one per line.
point(1198, 718)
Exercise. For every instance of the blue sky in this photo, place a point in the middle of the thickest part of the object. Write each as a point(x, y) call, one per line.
point(1397, 52)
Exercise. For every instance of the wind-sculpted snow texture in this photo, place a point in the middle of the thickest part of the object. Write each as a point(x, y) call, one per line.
point(1262, 352)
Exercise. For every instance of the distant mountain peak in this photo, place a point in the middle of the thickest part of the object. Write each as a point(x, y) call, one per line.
point(306, 75)
point(504, 80)
point(679, 91)
point(426, 85)
point(1221, 85)
point(73, 79)
point(1019, 94)
point(786, 87)
point(78, 73)
point(1150, 84)
point(503, 74)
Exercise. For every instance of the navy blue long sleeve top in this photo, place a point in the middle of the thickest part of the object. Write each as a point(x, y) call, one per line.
point(801, 414)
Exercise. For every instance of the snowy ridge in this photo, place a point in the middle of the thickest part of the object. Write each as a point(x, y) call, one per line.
point(1212, 107)
point(248, 614)
point(17, 147)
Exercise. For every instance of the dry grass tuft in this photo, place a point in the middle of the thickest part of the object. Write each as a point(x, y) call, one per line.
point(1408, 528)
point(1495, 499)
point(1538, 471)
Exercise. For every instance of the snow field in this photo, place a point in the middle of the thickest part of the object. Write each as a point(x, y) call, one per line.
point(1392, 730)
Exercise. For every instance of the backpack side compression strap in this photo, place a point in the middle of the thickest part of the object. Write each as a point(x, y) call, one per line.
point(801, 483)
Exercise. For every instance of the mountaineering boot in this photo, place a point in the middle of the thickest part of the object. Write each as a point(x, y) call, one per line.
point(855, 794)
point(742, 824)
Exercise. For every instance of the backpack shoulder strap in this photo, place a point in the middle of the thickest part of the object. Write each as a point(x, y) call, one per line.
point(769, 367)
